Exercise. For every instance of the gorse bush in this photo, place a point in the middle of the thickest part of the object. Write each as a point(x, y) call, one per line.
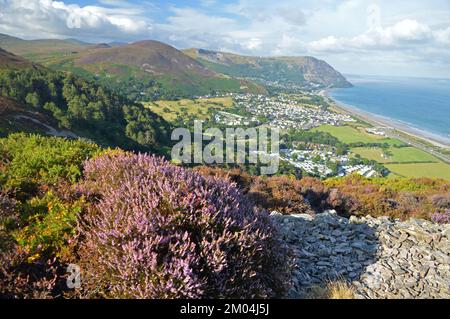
point(29, 161)
point(160, 231)
point(50, 224)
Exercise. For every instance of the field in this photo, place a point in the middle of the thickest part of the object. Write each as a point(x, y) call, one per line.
point(199, 109)
point(437, 170)
point(348, 134)
point(396, 155)
point(404, 161)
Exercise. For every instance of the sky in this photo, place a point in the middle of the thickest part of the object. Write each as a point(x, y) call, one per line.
point(378, 37)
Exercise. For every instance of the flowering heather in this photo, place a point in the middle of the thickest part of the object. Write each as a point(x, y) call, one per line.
point(441, 218)
point(160, 231)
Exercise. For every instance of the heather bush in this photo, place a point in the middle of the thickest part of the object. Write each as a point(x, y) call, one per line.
point(160, 231)
point(352, 195)
point(441, 217)
point(22, 279)
point(8, 210)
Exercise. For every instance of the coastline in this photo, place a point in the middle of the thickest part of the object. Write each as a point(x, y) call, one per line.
point(388, 123)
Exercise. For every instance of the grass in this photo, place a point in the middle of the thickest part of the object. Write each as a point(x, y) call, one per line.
point(199, 109)
point(333, 290)
point(432, 170)
point(398, 155)
point(407, 162)
point(348, 134)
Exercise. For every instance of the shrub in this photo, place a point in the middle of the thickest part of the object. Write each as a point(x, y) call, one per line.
point(20, 278)
point(32, 160)
point(441, 218)
point(50, 224)
point(160, 231)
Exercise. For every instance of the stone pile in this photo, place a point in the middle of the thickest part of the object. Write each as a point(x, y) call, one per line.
point(380, 257)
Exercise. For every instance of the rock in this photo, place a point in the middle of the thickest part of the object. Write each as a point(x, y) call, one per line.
point(302, 216)
point(383, 258)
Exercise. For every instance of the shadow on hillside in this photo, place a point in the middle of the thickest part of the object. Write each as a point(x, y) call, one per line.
point(327, 248)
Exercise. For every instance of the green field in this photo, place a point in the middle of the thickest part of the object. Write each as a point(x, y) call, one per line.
point(173, 110)
point(436, 170)
point(397, 155)
point(348, 134)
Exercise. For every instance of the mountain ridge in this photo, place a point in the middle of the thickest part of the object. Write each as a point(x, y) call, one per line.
point(149, 69)
point(295, 69)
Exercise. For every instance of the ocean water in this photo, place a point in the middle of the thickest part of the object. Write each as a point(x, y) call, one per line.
point(419, 103)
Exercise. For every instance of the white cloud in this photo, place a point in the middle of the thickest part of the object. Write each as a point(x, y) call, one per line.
point(402, 35)
point(348, 33)
point(57, 19)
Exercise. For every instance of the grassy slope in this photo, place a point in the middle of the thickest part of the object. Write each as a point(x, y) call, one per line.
point(197, 108)
point(175, 72)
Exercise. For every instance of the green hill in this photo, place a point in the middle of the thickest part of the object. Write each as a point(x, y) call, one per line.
point(305, 72)
point(40, 50)
point(11, 61)
point(36, 99)
point(145, 70)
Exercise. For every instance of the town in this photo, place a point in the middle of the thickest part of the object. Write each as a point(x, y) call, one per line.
point(298, 113)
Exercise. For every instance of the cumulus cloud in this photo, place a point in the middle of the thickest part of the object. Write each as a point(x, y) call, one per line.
point(402, 35)
point(57, 19)
point(343, 32)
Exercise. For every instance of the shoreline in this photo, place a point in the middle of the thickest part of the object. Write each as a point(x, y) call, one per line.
point(390, 124)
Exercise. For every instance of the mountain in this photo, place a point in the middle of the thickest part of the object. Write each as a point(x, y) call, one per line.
point(166, 69)
point(12, 61)
point(272, 71)
point(149, 70)
point(39, 50)
point(37, 99)
point(143, 70)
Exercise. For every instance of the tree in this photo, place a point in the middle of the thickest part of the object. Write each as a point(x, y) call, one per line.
point(33, 99)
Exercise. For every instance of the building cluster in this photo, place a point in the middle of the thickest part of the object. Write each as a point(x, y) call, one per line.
point(324, 162)
point(364, 170)
point(231, 119)
point(283, 113)
point(376, 131)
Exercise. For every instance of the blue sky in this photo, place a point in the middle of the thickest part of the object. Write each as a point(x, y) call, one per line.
point(383, 37)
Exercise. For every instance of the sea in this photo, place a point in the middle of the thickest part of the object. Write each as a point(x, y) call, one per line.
point(420, 103)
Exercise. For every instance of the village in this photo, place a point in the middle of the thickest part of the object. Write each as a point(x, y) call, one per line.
point(281, 112)
point(287, 113)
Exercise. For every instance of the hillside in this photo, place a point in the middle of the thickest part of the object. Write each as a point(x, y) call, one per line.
point(16, 117)
point(304, 72)
point(36, 99)
point(170, 69)
point(39, 50)
point(11, 61)
point(144, 70)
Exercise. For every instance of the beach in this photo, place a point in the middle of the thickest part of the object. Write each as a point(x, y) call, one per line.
point(389, 124)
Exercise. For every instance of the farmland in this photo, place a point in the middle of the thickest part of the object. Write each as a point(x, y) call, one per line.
point(433, 170)
point(198, 108)
point(396, 155)
point(348, 134)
